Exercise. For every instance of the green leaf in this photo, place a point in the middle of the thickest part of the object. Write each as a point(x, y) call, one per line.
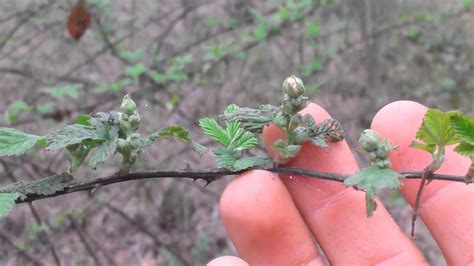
point(7, 200)
point(77, 155)
point(44, 186)
point(179, 132)
point(72, 134)
point(244, 141)
point(252, 120)
point(426, 147)
point(329, 129)
point(312, 29)
point(230, 109)
point(104, 151)
point(465, 149)
point(226, 158)
point(213, 129)
point(136, 70)
point(245, 163)
point(83, 120)
point(15, 142)
point(260, 32)
point(19, 106)
point(325, 2)
point(436, 129)
point(132, 56)
point(67, 90)
point(372, 179)
point(45, 108)
point(284, 150)
point(464, 128)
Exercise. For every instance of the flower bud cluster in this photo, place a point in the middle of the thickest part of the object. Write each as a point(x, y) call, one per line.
point(294, 98)
point(129, 118)
point(129, 121)
point(377, 149)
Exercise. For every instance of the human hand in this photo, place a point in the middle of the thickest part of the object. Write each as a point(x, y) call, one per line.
point(272, 221)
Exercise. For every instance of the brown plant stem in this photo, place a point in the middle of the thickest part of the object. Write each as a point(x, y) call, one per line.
point(427, 175)
point(210, 175)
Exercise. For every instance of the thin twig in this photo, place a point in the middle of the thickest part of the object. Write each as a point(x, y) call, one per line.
point(427, 175)
point(210, 175)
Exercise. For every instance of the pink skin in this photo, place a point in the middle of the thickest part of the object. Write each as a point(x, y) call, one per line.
point(273, 220)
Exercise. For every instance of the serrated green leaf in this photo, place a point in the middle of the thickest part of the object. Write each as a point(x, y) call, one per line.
point(252, 120)
point(245, 163)
point(178, 131)
point(245, 141)
point(14, 142)
point(7, 200)
point(284, 150)
point(213, 129)
point(77, 155)
point(372, 179)
point(436, 129)
point(104, 151)
point(464, 128)
point(329, 129)
point(319, 141)
point(83, 120)
point(226, 158)
point(174, 131)
point(230, 109)
point(465, 149)
point(72, 134)
point(426, 147)
point(44, 186)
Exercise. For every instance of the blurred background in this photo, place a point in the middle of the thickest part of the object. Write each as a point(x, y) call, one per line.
point(181, 61)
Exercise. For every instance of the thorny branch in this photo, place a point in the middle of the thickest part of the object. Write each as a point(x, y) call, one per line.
point(210, 175)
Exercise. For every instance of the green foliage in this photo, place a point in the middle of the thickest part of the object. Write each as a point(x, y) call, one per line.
point(179, 132)
point(463, 126)
point(371, 180)
point(7, 200)
point(135, 71)
point(235, 138)
point(70, 90)
point(14, 142)
point(132, 56)
point(15, 109)
point(378, 175)
point(72, 134)
point(44, 186)
point(436, 133)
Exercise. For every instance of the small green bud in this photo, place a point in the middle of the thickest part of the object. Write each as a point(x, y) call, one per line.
point(125, 125)
point(293, 86)
point(122, 145)
point(384, 149)
point(383, 164)
point(135, 136)
point(369, 140)
point(372, 156)
point(295, 121)
point(128, 106)
point(300, 103)
point(281, 120)
point(134, 121)
point(301, 134)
